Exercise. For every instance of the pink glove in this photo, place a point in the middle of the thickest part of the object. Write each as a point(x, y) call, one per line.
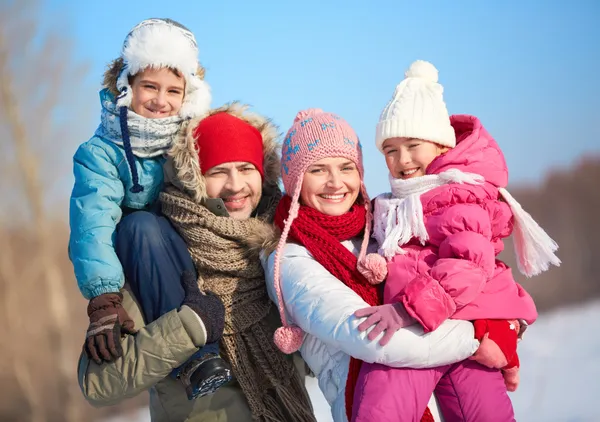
point(389, 318)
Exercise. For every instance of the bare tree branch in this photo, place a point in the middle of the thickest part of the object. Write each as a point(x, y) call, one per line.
point(34, 70)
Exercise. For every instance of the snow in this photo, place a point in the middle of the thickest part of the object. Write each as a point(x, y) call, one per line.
point(560, 367)
point(560, 371)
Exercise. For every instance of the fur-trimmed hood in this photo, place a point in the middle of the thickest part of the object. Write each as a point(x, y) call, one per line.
point(185, 164)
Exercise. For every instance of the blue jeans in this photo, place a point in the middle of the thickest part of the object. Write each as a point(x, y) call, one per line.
point(153, 256)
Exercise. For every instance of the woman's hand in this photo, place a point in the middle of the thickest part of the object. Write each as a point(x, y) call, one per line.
point(389, 318)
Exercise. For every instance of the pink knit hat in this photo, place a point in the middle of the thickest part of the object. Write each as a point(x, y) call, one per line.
point(314, 135)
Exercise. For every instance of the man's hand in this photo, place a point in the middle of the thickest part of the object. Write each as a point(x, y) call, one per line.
point(208, 307)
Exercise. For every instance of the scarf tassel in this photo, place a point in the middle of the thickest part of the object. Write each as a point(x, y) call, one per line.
point(533, 247)
point(286, 397)
point(403, 226)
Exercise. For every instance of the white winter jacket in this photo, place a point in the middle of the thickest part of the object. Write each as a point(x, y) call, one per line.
point(324, 307)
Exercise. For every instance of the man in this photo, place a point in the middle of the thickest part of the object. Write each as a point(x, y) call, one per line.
point(221, 202)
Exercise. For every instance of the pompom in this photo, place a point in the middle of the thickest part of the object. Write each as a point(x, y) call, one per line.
point(305, 114)
point(373, 268)
point(423, 70)
point(288, 339)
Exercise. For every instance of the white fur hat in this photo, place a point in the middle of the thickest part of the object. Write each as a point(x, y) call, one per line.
point(164, 43)
point(417, 109)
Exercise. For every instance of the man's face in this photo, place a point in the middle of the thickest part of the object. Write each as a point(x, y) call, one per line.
point(238, 184)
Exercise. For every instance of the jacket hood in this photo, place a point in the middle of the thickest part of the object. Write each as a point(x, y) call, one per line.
point(186, 167)
point(475, 152)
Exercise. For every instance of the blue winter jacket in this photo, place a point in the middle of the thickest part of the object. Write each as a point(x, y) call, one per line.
point(102, 189)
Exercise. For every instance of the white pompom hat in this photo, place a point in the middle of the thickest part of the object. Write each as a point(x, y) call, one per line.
point(417, 109)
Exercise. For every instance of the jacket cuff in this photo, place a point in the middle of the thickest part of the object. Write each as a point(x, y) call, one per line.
point(193, 325)
point(427, 302)
point(112, 286)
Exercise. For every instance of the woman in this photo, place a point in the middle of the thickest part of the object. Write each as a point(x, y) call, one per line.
point(313, 274)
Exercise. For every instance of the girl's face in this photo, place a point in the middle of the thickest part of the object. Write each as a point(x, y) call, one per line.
point(331, 185)
point(409, 157)
point(157, 93)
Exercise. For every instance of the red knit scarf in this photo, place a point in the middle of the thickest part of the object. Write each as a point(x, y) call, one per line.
point(322, 235)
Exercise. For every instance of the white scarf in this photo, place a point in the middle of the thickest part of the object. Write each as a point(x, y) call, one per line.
point(398, 217)
point(148, 137)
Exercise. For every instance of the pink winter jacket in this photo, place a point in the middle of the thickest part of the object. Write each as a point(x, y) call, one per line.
point(456, 274)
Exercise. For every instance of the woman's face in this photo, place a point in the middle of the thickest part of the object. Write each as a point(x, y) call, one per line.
point(331, 185)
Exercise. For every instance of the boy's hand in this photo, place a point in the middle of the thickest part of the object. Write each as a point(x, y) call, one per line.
point(108, 322)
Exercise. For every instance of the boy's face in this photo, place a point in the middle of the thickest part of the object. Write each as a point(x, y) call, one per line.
point(238, 184)
point(409, 157)
point(157, 93)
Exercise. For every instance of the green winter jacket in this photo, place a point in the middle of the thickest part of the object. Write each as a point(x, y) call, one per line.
point(148, 358)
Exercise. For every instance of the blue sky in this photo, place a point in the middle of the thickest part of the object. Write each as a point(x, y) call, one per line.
point(526, 69)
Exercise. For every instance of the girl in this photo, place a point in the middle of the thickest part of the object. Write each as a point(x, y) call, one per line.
point(440, 231)
point(148, 92)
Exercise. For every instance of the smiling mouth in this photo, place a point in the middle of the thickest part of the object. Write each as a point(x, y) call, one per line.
point(408, 173)
point(235, 203)
point(157, 112)
point(338, 197)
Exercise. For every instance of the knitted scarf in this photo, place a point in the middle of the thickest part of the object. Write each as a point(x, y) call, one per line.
point(322, 235)
point(230, 268)
point(398, 218)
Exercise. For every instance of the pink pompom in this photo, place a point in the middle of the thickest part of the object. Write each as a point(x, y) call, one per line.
point(373, 268)
point(288, 339)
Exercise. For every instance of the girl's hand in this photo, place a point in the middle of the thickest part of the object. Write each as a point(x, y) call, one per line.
point(384, 318)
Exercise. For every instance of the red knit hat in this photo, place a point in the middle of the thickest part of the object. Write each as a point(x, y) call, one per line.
point(223, 138)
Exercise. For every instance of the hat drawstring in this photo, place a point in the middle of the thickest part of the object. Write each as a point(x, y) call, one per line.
point(136, 188)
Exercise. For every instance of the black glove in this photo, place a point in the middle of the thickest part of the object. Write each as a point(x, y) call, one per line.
point(108, 322)
point(208, 306)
